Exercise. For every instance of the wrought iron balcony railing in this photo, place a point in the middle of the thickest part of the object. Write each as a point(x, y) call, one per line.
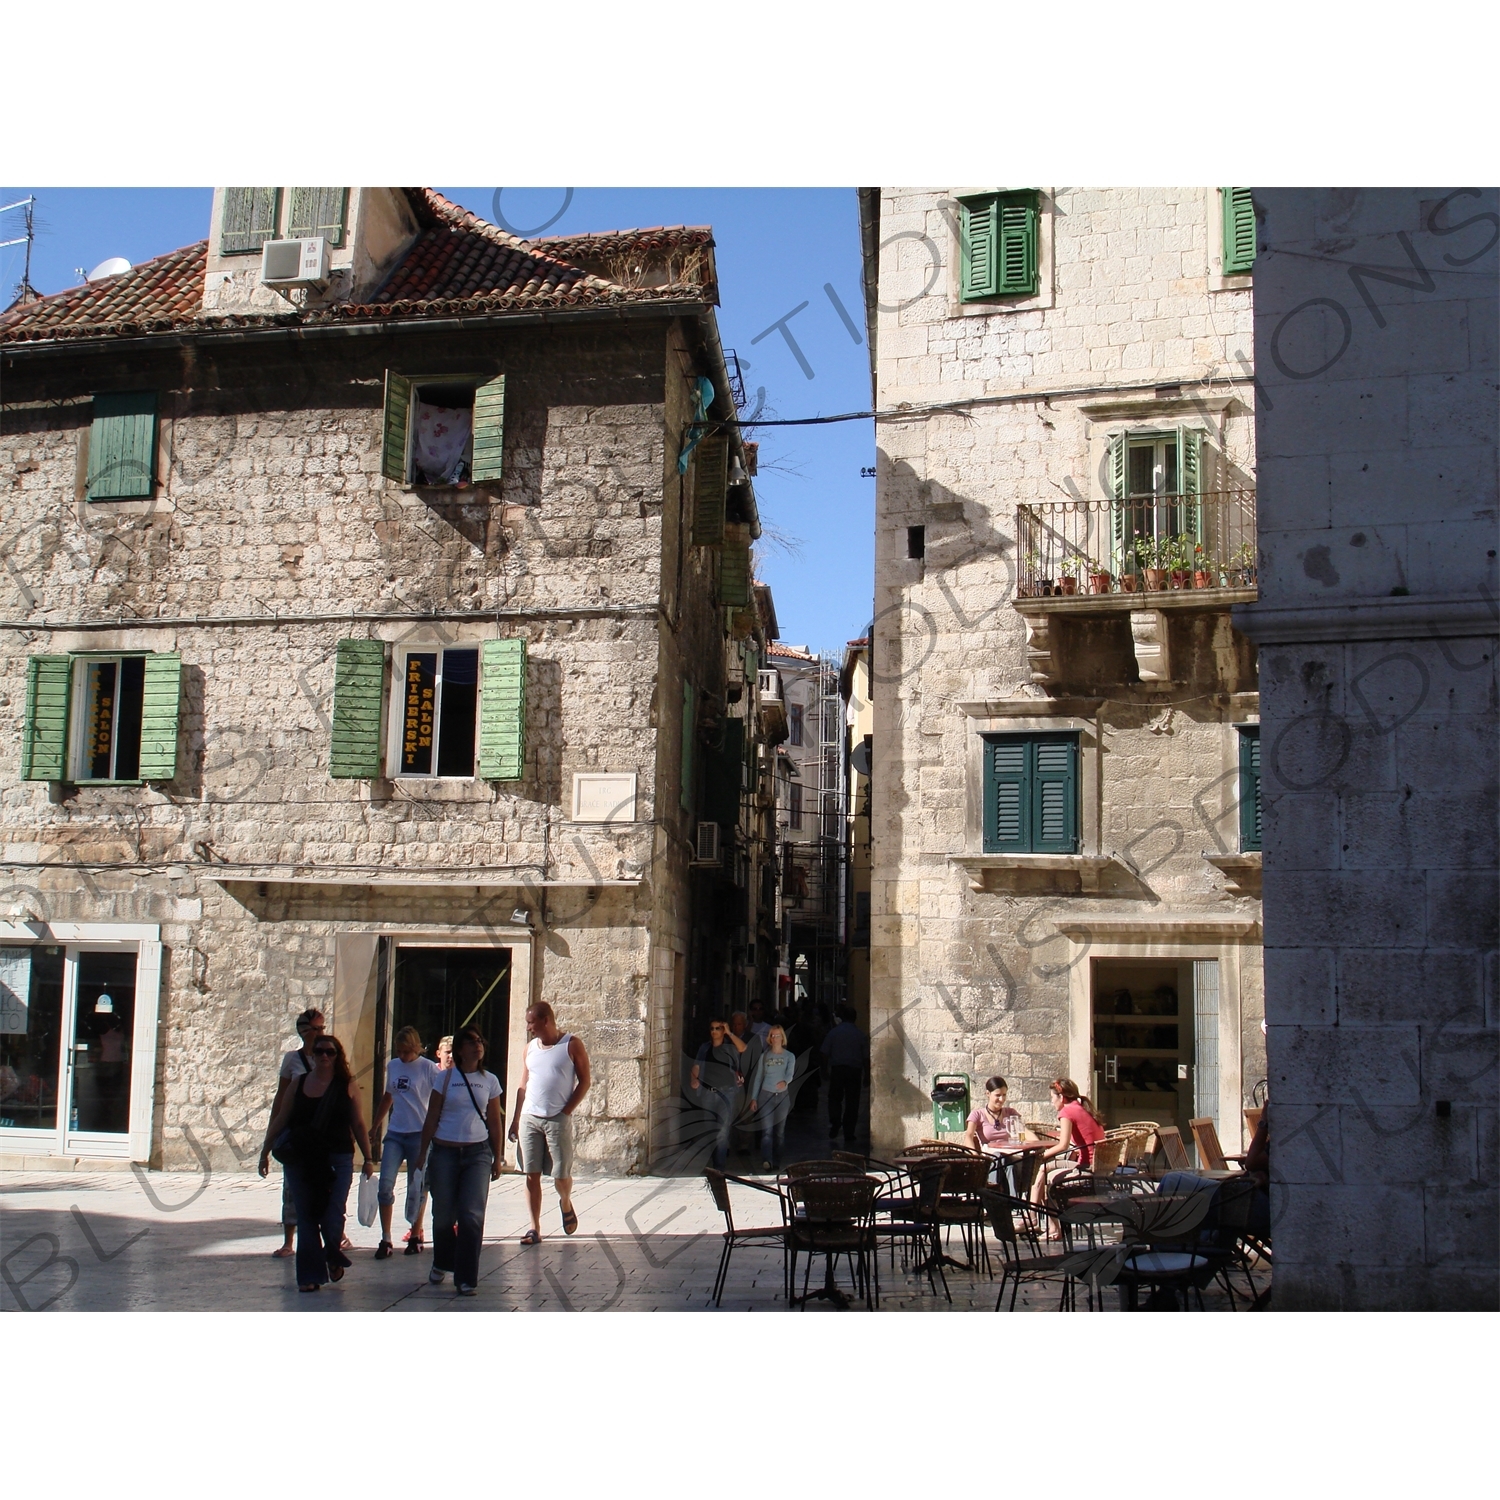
point(1146, 544)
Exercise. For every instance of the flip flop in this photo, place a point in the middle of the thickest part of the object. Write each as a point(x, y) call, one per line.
point(284, 1253)
point(569, 1221)
point(531, 1237)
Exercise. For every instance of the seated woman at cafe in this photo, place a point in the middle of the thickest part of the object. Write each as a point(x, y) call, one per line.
point(994, 1123)
point(1074, 1149)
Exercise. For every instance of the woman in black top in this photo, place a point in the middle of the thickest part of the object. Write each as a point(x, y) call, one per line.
point(315, 1130)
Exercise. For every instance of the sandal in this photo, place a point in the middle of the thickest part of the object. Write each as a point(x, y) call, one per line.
point(286, 1252)
point(335, 1273)
point(384, 1250)
point(414, 1245)
point(531, 1237)
point(315, 1287)
point(569, 1221)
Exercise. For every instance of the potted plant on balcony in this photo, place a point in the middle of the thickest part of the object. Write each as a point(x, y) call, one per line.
point(1179, 561)
point(1244, 563)
point(1155, 553)
point(1203, 577)
point(1130, 567)
point(1039, 587)
point(1101, 581)
point(1072, 567)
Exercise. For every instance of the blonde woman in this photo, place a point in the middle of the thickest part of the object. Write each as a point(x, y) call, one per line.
point(771, 1097)
point(409, 1079)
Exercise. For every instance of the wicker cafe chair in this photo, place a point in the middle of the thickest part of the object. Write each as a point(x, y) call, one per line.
point(837, 1219)
point(959, 1204)
point(1140, 1132)
point(718, 1185)
point(1107, 1156)
point(1020, 1259)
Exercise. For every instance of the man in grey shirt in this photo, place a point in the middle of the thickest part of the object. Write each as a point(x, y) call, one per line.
point(846, 1051)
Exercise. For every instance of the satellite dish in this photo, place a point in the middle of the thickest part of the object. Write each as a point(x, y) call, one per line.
point(861, 756)
point(111, 267)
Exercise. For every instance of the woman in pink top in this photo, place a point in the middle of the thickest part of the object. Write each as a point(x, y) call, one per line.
point(1081, 1128)
point(993, 1123)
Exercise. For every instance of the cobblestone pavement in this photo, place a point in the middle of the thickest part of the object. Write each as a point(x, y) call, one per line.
point(180, 1241)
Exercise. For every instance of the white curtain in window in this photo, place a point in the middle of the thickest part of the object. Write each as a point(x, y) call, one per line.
point(442, 440)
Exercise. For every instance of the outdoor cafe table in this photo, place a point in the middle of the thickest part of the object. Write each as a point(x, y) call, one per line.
point(1008, 1157)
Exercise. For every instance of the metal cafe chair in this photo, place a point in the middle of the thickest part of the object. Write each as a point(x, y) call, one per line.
point(1021, 1265)
point(836, 1218)
point(718, 1185)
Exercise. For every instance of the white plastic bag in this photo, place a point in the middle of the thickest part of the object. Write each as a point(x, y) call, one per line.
point(369, 1188)
point(416, 1190)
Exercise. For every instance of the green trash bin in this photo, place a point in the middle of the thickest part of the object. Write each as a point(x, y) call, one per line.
point(950, 1102)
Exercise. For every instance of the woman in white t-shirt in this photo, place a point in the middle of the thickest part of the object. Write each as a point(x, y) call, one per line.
point(462, 1134)
point(409, 1080)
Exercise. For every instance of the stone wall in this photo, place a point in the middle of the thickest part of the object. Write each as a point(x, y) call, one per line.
point(1133, 324)
point(1375, 327)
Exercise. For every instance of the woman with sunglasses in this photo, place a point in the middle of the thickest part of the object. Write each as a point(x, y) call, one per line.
point(465, 1117)
point(323, 1120)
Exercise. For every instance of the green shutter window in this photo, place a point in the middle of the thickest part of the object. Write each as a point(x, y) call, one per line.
point(318, 211)
point(358, 692)
point(122, 446)
point(396, 421)
point(998, 246)
point(1239, 231)
point(1031, 794)
point(689, 737)
point(160, 706)
point(710, 480)
point(1190, 481)
point(44, 739)
point(249, 219)
point(979, 248)
point(726, 777)
point(734, 568)
point(1250, 787)
point(489, 431)
point(502, 710)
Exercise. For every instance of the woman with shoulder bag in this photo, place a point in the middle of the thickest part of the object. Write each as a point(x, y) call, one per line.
point(462, 1132)
point(322, 1120)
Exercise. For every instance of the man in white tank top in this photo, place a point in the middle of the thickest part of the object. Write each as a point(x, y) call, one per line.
point(554, 1079)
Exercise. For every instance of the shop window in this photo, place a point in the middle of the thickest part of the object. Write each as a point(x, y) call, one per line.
point(442, 433)
point(439, 701)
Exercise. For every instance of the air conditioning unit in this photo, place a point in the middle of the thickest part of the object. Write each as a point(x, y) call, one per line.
point(707, 848)
point(294, 262)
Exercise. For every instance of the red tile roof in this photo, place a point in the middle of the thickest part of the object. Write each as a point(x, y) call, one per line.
point(457, 264)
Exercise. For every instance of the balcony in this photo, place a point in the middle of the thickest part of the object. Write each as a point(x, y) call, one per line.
point(1146, 557)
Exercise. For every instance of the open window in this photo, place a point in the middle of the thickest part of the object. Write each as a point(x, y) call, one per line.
point(438, 713)
point(443, 432)
point(1156, 483)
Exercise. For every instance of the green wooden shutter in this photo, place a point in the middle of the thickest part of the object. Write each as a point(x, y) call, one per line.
point(358, 691)
point(1190, 481)
point(689, 738)
point(1054, 795)
point(1007, 805)
point(122, 446)
point(249, 219)
point(396, 421)
point(979, 248)
point(489, 431)
point(44, 740)
point(1018, 219)
point(734, 568)
point(318, 211)
point(1239, 231)
point(159, 714)
point(1250, 787)
point(502, 710)
point(710, 480)
point(726, 777)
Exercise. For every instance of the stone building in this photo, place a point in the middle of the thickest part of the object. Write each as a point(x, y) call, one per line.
point(1375, 348)
point(859, 728)
point(377, 595)
point(1064, 802)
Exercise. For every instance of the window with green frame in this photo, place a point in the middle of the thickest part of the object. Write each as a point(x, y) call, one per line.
point(1031, 793)
point(1239, 231)
point(1249, 787)
point(998, 245)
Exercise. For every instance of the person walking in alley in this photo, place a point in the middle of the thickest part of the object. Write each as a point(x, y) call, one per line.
point(770, 1096)
point(322, 1120)
point(461, 1135)
point(717, 1083)
point(409, 1080)
point(554, 1079)
point(294, 1065)
point(846, 1050)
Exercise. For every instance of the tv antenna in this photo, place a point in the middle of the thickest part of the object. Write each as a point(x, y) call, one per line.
point(24, 289)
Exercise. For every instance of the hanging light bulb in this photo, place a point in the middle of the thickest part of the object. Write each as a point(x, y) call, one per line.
point(737, 473)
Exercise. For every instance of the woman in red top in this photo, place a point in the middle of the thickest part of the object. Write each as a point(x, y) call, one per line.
point(1081, 1128)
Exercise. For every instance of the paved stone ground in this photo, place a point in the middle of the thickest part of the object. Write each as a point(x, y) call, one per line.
point(180, 1241)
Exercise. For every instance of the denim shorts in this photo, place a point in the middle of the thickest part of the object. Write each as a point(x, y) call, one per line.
point(397, 1146)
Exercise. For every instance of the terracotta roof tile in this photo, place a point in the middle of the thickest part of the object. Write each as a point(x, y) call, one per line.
point(458, 263)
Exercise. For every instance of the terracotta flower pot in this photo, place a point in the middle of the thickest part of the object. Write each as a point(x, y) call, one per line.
point(1202, 579)
point(1099, 583)
point(1156, 579)
point(1181, 578)
point(1128, 583)
point(1070, 585)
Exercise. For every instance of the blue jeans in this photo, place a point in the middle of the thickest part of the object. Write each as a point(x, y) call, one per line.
point(320, 1216)
point(460, 1181)
point(772, 1106)
point(398, 1146)
point(724, 1106)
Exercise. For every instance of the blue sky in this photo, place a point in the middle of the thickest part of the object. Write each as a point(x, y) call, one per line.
point(776, 247)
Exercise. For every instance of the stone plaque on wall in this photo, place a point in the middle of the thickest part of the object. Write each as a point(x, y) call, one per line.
point(604, 797)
